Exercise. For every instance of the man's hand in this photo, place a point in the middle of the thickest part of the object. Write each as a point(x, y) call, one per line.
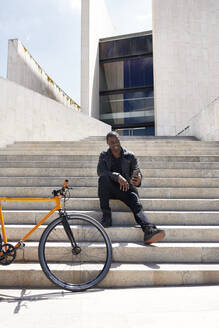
point(124, 185)
point(136, 180)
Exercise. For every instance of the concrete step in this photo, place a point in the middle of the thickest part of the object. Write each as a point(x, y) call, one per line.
point(30, 275)
point(129, 233)
point(180, 191)
point(95, 152)
point(125, 144)
point(94, 158)
point(92, 172)
point(88, 192)
point(103, 146)
point(92, 151)
point(102, 143)
point(84, 204)
point(127, 252)
point(57, 182)
point(122, 138)
point(124, 141)
point(93, 164)
point(122, 218)
point(177, 138)
point(166, 193)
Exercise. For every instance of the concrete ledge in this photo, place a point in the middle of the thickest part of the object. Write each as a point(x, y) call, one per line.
point(120, 275)
point(203, 218)
point(93, 164)
point(28, 116)
point(129, 234)
point(173, 182)
point(85, 204)
point(24, 70)
point(159, 192)
point(92, 172)
point(205, 125)
point(126, 252)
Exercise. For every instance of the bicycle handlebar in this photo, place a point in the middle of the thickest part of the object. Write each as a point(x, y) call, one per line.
point(65, 184)
point(62, 190)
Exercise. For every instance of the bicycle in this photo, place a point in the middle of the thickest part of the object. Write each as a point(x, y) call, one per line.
point(74, 250)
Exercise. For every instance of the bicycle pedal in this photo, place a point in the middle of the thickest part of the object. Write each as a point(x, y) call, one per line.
point(21, 244)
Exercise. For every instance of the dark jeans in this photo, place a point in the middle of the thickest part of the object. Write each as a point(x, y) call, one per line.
point(108, 189)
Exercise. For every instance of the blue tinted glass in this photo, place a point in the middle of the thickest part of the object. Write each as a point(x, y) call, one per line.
point(141, 104)
point(138, 72)
point(118, 73)
point(128, 108)
point(126, 47)
point(127, 73)
point(147, 131)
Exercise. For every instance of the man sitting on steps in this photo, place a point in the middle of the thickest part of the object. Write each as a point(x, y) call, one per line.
point(119, 175)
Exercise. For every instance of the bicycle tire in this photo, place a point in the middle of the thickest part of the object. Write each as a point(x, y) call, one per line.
point(75, 272)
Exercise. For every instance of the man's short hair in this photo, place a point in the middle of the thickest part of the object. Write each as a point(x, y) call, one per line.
point(112, 134)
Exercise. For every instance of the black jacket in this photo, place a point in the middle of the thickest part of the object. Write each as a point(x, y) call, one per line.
point(129, 164)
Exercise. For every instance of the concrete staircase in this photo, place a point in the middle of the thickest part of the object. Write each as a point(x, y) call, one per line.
point(180, 193)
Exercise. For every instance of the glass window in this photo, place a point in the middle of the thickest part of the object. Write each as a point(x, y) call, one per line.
point(127, 73)
point(128, 108)
point(112, 76)
point(133, 46)
point(147, 131)
point(126, 84)
point(138, 72)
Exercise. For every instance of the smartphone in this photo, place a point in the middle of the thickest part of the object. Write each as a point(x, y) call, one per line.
point(135, 173)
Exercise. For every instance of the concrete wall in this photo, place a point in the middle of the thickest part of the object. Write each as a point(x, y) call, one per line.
point(205, 125)
point(29, 116)
point(186, 60)
point(95, 24)
point(24, 70)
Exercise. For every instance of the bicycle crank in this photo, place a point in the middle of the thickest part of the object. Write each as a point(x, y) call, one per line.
point(7, 254)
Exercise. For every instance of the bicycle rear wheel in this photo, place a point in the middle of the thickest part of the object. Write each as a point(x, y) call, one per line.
point(75, 272)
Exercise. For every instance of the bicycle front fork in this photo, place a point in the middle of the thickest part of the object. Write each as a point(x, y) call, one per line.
point(75, 248)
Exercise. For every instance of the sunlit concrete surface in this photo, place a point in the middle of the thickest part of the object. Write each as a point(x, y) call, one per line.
point(186, 66)
point(95, 24)
point(27, 116)
point(138, 307)
point(24, 70)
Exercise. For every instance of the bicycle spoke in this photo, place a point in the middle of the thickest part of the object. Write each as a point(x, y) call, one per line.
point(76, 269)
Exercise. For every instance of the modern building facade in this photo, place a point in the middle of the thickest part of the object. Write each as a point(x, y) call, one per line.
point(163, 82)
point(180, 76)
point(126, 83)
point(95, 24)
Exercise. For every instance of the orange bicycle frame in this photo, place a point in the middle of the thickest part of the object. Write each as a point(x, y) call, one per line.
point(56, 208)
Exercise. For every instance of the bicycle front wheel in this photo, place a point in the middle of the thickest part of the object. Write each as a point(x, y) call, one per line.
point(75, 272)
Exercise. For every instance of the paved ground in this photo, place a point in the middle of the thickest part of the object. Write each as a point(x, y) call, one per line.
point(138, 307)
